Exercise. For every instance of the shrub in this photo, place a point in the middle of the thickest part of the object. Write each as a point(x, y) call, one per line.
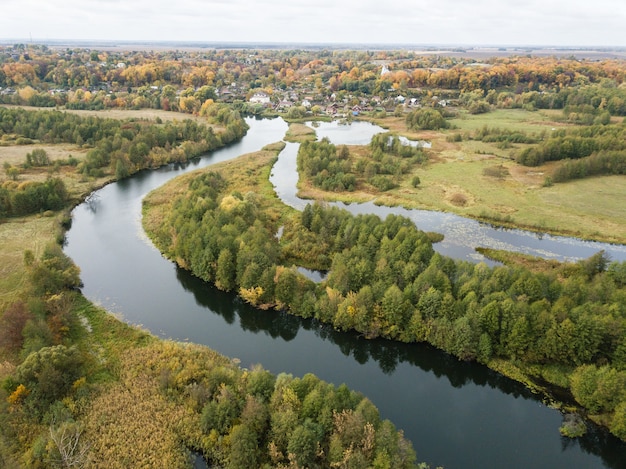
point(499, 171)
point(458, 199)
point(382, 183)
point(12, 324)
point(49, 375)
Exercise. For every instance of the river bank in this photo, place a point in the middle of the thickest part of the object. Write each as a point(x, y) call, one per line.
point(545, 382)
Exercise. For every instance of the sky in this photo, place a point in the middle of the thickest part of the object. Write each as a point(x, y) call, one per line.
point(416, 22)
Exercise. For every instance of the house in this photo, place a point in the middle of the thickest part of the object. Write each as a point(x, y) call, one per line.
point(332, 109)
point(284, 104)
point(260, 98)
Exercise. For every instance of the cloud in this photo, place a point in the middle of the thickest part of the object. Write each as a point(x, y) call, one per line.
point(558, 22)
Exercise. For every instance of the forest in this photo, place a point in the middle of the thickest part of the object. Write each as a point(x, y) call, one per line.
point(72, 375)
point(385, 280)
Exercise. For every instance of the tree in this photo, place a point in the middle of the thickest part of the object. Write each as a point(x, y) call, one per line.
point(37, 157)
point(71, 450)
point(244, 449)
point(12, 323)
point(303, 444)
point(425, 119)
point(49, 375)
point(226, 270)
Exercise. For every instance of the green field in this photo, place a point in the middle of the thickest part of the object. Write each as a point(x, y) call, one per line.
point(456, 180)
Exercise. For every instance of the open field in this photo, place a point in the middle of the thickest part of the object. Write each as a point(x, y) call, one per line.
point(148, 114)
point(141, 114)
point(509, 119)
point(16, 236)
point(16, 154)
point(456, 180)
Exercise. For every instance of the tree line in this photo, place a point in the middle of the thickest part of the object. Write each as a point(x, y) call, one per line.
point(115, 146)
point(577, 143)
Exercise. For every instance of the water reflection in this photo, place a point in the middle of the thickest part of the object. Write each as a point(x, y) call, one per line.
point(388, 356)
point(496, 422)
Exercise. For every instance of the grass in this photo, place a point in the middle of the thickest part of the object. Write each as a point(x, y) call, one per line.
point(300, 133)
point(526, 261)
point(16, 236)
point(140, 114)
point(508, 119)
point(16, 154)
point(459, 179)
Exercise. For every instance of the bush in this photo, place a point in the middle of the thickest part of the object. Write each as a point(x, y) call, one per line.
point(12, 324)
point(37, 157)
point(54, 273)
point(499, 171)
point(382, 183)
point(459, 199)
point(48, 375)
point(426, 119)
point(479, 107)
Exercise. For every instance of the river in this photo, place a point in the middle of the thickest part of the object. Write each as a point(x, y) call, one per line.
point(456, 414)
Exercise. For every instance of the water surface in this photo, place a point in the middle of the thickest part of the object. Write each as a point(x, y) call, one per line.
point(456, 414)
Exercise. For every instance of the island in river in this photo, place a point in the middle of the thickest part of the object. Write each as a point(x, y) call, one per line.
point(547, 325)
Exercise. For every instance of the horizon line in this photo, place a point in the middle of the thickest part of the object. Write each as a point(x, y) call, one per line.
point(332, 44)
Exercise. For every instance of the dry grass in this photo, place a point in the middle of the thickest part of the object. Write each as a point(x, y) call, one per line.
point(16, 236)
point(16, 154)
point(132, 424)
point(458, 199)
point(140, 114)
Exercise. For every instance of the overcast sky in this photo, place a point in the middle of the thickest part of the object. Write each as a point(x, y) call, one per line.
point(419, 22)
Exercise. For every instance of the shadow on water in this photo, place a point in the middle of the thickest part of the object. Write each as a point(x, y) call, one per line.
point(388, 356)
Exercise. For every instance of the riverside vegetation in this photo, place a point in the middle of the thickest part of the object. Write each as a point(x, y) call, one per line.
point(564, 325)
point(498, 129)
point(81, 389)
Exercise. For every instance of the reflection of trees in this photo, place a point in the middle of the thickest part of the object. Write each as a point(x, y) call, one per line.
point(387, 354)
point(229, 306)
point(599, 441)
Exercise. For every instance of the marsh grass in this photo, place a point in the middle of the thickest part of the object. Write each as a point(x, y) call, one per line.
point(298, 132)
point(516, 196)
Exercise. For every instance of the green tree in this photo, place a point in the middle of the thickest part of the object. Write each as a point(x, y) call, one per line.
point(303, 444)
point(226, 270)
point(49, 375)
point(244, 449)
point(425, 119)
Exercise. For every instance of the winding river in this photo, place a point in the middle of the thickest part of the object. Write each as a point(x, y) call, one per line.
point(456, 414)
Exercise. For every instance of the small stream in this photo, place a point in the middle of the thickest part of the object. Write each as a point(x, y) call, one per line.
point(461, 235)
